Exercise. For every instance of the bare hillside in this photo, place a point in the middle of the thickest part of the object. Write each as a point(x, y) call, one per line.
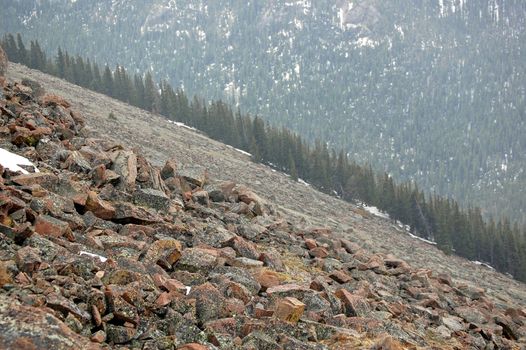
point(160, 140)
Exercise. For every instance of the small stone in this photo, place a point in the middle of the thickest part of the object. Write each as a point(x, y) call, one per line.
point(97, 319)
point(193, 346)
point(354, 305)
point(289, 309)
point(46, 180)
point(169, 169)
point(28, 259)
point(169, 250)
point(267, 279)
point(165, 299)
point(151, 198)
point(453, 323)
point(319, 252)
point(244, 248)
point(340, 276)
point(195, 175)
point(102, 209)
point(98, 337)
point(77, 163)
point(272, 260)
point(6, 272)
point(310, 243)
point(118, 334)
point(445, 279)
point(197, 259)
point(201, 197)
point(387, 343)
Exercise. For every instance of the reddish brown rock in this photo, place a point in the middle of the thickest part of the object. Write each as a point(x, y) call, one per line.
point(26, 327)
point(6, 276)
point(28, 259)
point(289, 309)
point(340, 276)
point(267, 279)
point(193, 346)
point(310, 243)
point(355, 305)
point(54, 100)
point(168, 250)
point(45, 180)
point(49, 226)
point(98, 337)
point(350, 247)
point(244, 248)
point(272, 260)
point(165, 299)
point(101, 208)
point(387, 343)
point(319, 252)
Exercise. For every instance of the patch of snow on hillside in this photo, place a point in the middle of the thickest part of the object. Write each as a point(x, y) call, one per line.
point(13, 162)
point(480, 263)
point(421, 239)
point(101, 258)
point(301, 181)
point(375, 211)
point(240, 151)
point(182, 125)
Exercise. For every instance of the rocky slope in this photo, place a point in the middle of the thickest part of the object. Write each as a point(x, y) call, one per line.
point(103, 248)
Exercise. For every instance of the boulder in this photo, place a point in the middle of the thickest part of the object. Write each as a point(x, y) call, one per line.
point(355, 305)
point(289, 309)
point(169, 169)
point(152, 198)
point(125, 165)
point(101, 208)
point(27, 327)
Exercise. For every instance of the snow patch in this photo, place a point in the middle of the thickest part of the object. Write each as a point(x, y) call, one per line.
point(182, 125)
point(240, 151)
point(13, 162)
point(421, 239)
point(480, 263)
point(301, 181)
point(101, 258)
point(375, 211)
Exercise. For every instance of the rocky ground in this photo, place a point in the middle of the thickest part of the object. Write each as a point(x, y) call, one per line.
point(139, 233)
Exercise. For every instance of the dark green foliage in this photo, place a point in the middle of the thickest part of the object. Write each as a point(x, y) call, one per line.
point(455, 230)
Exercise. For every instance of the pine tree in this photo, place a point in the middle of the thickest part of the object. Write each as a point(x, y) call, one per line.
point(23, 56)
point(107, 82)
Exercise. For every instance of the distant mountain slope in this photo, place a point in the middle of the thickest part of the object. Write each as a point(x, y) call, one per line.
point(429, 90)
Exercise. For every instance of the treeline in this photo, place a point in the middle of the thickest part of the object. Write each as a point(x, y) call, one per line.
point(455, 230)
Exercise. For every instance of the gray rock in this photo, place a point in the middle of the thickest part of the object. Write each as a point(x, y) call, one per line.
point(194, 175)
point(151, 198)
point(196, 259)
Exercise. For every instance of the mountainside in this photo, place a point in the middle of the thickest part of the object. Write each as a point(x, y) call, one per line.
point(428, 90)
point(286, 268)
